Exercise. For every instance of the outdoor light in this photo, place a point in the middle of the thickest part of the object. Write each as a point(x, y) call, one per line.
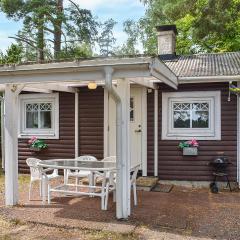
point(92, 85)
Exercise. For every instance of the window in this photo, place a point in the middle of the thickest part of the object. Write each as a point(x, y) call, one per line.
point(191, 114)
point(132, 112)
point(39, 115)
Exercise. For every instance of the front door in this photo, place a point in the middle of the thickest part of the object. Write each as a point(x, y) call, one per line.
point(135, 126)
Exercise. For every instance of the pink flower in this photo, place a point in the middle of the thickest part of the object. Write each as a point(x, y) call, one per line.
point(193, 142)
point(32, 140)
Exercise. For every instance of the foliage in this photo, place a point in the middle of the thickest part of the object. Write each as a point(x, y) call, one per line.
point(131, 28)
point(47, 25)
point(75, 51)
point(191, 143)
point(203, 25)
point(14, 54)
point(106, 40)
point(34, 142)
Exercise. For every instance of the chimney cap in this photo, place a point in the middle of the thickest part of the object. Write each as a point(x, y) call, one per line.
point(164, 28)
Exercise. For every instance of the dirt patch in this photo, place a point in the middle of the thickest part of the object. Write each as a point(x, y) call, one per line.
point(183, 213)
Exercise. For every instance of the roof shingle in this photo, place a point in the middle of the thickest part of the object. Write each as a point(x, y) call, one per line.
point(209, 64)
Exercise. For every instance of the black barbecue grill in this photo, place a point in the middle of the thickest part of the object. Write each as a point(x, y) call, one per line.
point(220, 169)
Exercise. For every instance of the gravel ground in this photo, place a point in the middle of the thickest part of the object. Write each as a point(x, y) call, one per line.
point(181, 214)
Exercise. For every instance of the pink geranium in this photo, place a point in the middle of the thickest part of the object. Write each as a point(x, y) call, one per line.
point(32, 140)
point(193, 142)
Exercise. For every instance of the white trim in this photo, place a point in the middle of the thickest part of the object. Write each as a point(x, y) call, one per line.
point(11, 144)
point(106, 124)
point(46, 134)
point(207, 79)
point(214, 131)
point(155, 132)
point(76, 124)
point(144, 131)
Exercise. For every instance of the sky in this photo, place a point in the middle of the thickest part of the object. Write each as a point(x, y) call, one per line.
point(119, 10)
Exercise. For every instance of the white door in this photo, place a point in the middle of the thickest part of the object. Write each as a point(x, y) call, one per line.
point(135, 126)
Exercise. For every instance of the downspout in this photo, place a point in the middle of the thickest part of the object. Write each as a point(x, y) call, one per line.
point(111, 89)
point(2, 130)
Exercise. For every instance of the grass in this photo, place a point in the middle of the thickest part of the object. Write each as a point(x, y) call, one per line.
point(16, 230)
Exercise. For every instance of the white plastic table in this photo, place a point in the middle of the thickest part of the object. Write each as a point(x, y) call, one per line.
point(106, 169)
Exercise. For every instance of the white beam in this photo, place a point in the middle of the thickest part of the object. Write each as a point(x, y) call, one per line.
point(156, 133)
point(123, 178)
point(160, 71)
point(73, 76)
point(38, 90)
point(144, 82)
point(11, 144)
point(121, 95)
point(144, 131)
point(54, 87)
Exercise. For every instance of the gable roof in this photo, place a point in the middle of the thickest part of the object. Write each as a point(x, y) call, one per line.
point(206, 65)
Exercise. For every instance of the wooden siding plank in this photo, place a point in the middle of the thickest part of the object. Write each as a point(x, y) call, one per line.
point(172, 165)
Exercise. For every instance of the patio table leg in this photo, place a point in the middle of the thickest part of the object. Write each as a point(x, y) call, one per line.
point(106, 195)
point(49, 195)
point(91, 183)
point(65, 176)
point(44, 189)
point(103, 193)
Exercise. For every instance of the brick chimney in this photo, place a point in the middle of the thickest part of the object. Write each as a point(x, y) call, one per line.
point(167, 41)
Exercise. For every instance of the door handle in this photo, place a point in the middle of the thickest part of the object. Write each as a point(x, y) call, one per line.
point(138, 131)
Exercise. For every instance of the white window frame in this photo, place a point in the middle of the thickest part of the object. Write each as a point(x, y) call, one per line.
point(213, 98)
point(52, 133)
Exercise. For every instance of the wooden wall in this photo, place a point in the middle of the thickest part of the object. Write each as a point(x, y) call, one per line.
point(91, 121)
point(64, 147)
point(171, 164)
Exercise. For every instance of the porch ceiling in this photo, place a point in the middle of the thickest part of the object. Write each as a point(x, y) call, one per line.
point(65, 76)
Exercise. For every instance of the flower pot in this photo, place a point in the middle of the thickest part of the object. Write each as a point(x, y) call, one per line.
point(190, 151)
point(35, 149)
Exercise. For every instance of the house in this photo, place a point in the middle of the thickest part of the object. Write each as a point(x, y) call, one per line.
point(140, 111)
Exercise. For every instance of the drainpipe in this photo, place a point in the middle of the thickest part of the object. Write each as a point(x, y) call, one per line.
point(2, 130)
point(121, 213)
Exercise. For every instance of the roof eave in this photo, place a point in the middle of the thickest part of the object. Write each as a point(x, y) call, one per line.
point(206, 79)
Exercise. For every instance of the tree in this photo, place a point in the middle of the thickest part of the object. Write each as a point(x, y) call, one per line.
point(47, 24)
point(106, 40)
point(131, 28)
point(76, 51)
point(14, 54)
point(203, 25)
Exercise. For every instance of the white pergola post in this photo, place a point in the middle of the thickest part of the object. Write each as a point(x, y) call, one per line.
point(11, 143)
point(123, 164)
point(155, 133)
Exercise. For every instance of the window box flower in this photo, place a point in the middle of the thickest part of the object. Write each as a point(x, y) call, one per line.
point(190, 148)
point(36, 144)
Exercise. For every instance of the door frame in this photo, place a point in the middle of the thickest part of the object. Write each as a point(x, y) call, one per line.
point(144, 127)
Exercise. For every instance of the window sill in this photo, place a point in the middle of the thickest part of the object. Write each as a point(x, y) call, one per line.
point(182, 137)
point(41, 136)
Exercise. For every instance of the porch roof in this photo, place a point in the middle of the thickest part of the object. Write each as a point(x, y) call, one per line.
point(145, 69)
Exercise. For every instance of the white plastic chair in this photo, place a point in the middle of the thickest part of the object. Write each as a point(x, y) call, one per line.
point(112, 181)
point(37, 174)
point(82, 173)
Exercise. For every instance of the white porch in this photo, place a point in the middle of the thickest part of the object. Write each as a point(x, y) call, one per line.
point(115, 74)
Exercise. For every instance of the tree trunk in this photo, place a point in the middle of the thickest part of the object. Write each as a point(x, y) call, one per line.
point(58, 28)
point(40, 40)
